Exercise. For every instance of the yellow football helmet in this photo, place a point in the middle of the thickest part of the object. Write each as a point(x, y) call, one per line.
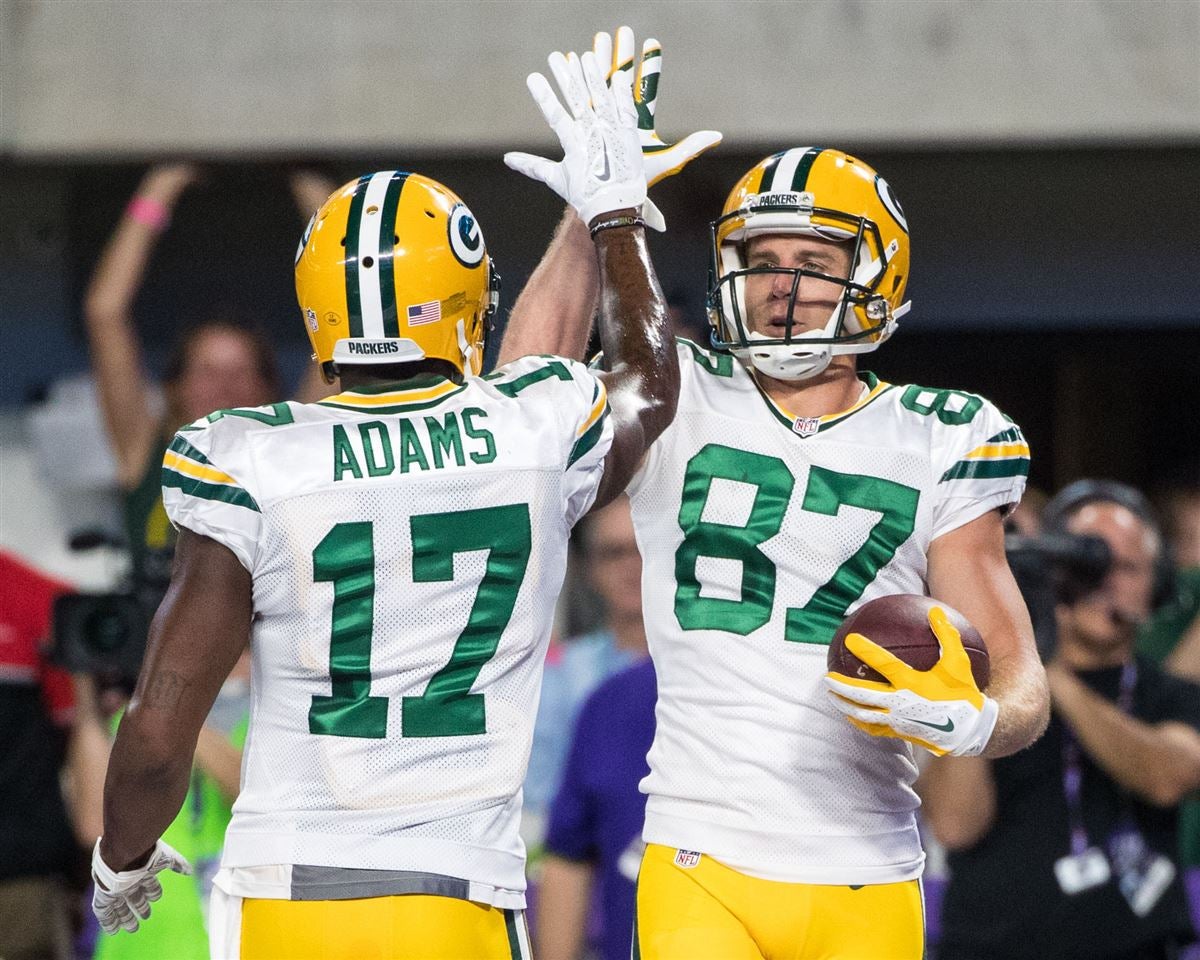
point(811, 191)
point(393, 269)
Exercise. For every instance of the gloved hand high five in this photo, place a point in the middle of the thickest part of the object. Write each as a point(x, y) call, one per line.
point(940, 709)
point(662, 159)
point(601, 170)
point(122, 900)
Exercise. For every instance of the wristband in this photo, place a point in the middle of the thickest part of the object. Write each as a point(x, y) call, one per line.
point(148, 212)
point(629, 220)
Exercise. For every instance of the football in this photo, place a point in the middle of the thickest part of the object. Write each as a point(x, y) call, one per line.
point(900, 623)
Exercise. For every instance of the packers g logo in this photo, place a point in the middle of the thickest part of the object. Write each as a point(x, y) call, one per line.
point(466, 239)
point(888, 196)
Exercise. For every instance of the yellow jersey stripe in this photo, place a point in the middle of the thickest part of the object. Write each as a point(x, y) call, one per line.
point(991, 451)
point(597, 410)
point(830, 417)
point(368, 401)
point(180, 465)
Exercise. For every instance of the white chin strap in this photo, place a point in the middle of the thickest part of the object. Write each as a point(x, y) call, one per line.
point(468, 351)
point(794, 361)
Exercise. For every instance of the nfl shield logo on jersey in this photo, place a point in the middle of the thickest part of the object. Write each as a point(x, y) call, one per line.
point(687, 858)
point(806, 426)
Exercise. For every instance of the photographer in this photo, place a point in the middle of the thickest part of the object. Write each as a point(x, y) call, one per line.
point(1069, 849)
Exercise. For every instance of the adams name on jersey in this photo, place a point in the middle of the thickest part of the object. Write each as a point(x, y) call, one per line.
point(407, 548)
point(767, 531)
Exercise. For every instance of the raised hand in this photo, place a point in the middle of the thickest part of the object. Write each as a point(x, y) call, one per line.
point(602, 168)
point(662, 159)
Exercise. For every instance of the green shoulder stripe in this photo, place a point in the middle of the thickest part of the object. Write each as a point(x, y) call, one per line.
point(1012, 435)
point(718, 364)
point(553, 369)
point(208, 491)
point(987, 469)
point(589, 439)
point(185, 449)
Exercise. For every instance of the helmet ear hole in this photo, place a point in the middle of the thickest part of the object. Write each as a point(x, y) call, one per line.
point(431, 215)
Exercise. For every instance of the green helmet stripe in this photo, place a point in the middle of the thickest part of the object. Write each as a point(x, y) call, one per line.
point(768, 173)
point(787, 171)
point(353, 295)
point(800, 178)
point(387, 242)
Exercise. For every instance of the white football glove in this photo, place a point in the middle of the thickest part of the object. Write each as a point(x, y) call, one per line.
point(601, 169)
point(662, 159)
point(123, 899)
point(940, 709)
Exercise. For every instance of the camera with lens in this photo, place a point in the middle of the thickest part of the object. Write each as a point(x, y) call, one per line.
point(104, 634)
point(1052, 568)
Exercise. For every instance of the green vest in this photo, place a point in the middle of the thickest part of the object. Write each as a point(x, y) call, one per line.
point(176, 926)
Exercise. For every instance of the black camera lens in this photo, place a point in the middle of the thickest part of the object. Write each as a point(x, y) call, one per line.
point(107, 628)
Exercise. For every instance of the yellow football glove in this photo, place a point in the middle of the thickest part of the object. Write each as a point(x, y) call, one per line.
point(940, 709)
point(661, 159)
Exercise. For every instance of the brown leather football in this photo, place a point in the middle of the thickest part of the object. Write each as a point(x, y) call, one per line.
point(900, 623)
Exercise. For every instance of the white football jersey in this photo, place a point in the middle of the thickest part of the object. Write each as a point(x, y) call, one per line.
point(759, 533)
point(407, 548)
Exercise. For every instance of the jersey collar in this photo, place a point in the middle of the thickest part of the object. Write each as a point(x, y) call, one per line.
point(807, 426)
point(415, 394)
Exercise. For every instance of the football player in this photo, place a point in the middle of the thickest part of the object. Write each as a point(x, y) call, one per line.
point(791, 488)
point(396, 550)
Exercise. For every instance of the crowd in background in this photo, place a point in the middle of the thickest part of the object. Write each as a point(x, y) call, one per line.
point(595, 723)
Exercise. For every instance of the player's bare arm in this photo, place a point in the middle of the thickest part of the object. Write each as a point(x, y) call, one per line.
point(643, 368)
point(554, 312)
point(195, 639)
point(602, 175)
point(968, 570)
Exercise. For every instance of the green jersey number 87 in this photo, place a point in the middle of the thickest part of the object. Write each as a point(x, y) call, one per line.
point(826, 492)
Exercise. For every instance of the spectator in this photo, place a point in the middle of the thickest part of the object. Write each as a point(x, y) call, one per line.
point(37, 847)
point(575, 668)
point(218, 364)
point(1069, 849)
point(594, 841)
point(177, 927)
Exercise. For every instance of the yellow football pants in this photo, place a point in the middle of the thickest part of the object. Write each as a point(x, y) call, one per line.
point(409, 927)
point(712, 912)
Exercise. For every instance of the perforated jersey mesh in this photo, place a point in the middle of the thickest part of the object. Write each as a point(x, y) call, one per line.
point(351, 789)
point(751, 764)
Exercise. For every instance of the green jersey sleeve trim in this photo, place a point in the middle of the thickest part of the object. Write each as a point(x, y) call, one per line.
point(208, 491)
point(987, 469)
point(589, 439)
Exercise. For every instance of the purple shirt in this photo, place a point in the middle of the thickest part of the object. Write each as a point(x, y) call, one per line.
point(597, 814)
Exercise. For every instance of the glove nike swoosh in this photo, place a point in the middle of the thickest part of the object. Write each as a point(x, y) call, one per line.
point(604, 174)
point(947, 727)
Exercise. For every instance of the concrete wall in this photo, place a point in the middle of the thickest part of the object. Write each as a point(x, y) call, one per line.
point(124, 78)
